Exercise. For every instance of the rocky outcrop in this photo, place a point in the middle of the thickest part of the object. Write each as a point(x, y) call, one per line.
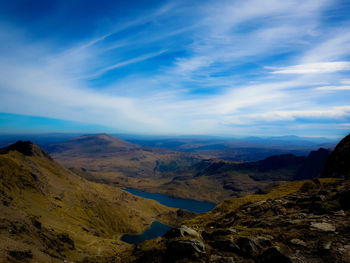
point(26, 148)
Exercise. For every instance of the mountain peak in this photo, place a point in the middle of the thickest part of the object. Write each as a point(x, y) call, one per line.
point(27, 148)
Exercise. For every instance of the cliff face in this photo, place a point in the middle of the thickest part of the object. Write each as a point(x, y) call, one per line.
point(338, 164)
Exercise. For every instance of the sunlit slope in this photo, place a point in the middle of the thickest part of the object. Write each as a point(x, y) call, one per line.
point(47, 212)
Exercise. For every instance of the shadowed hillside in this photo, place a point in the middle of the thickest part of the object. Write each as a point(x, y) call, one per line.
point(49, 214)
point(338, 162)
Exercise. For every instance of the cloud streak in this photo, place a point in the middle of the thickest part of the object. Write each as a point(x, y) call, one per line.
point(313, 68)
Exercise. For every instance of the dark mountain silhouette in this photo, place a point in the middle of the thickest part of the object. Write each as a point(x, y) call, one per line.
point(338, 163)
point(313, 165)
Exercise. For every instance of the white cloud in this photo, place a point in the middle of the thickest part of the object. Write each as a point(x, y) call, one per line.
point(313, 68)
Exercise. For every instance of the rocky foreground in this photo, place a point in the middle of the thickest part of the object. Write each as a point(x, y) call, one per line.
point(310, 225)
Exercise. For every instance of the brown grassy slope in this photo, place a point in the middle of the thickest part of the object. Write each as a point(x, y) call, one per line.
point(46, 208)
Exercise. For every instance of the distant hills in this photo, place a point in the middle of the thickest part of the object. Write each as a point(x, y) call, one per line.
point(226, 148)
point(108, 154)
point(236, 149)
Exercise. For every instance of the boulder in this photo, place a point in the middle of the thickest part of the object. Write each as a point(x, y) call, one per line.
point(182, 232)
point(247, 246)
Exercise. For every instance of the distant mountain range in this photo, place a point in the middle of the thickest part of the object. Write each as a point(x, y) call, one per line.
point(111, 160)
point(226, 148)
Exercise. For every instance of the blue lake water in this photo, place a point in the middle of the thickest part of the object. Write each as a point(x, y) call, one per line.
point(182, 203)
point(155, 230)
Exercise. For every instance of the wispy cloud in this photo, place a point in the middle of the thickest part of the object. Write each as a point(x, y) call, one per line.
point(220, 67)
point(125, 63)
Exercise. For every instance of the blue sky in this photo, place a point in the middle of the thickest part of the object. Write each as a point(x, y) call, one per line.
point(255, 67)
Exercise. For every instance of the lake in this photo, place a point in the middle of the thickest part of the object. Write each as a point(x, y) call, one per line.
point(157, 229)
point(181, 203)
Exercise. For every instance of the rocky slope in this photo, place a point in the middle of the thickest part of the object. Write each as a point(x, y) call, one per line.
point(286, 225)
point(49, 214)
